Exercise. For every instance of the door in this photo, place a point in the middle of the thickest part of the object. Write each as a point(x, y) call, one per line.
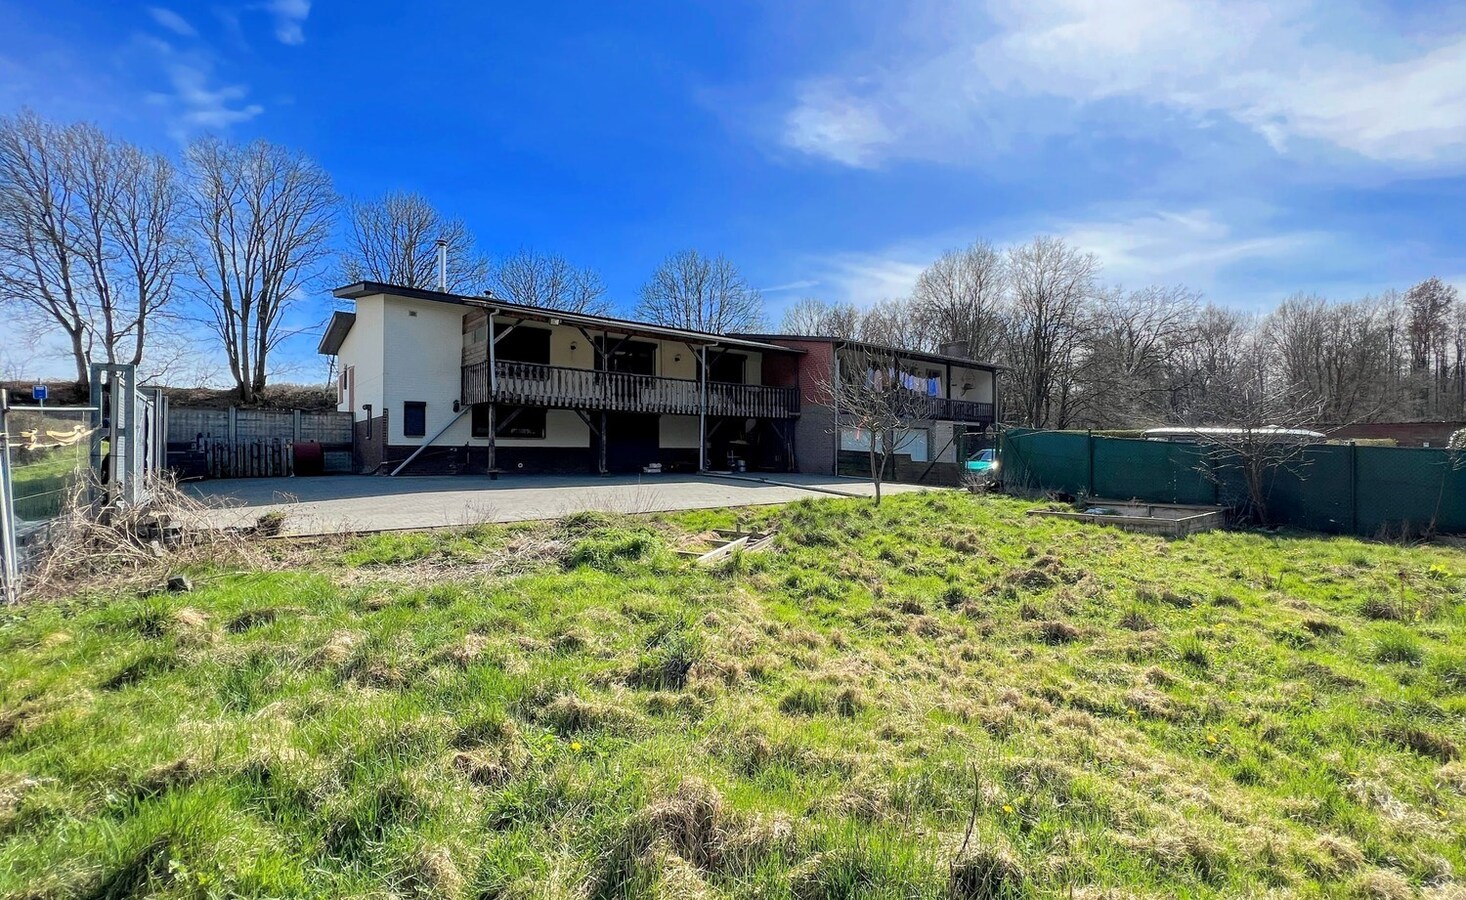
point(631, 441)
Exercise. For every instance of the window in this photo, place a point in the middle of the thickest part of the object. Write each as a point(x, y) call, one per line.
point(526, 345)
point(520, 422)
point(414, 418)
point(727, 368)
point(634, 357)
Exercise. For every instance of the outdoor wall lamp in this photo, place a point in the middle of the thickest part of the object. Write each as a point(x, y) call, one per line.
point(574, 346)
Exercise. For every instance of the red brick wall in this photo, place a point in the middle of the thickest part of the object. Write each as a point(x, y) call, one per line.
point(814, 440)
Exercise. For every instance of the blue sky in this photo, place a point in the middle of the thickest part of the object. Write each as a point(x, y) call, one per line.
point(1248, 149)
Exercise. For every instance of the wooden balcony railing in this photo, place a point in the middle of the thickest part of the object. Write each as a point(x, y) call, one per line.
point(962, 410)
point(558, 387)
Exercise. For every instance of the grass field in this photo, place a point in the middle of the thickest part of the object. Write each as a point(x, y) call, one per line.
point(938, 698)
point(42, 483)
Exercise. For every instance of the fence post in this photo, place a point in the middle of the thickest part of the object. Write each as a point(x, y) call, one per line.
point(9, 547)
point(1353, 488)
point(295, 426)
point(233, 456)
point(1089, 446)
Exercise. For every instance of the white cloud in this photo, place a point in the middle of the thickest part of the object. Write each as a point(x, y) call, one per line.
point(829, 121)
point(196, 102)
point(1209, 250)
point(1291, 70)
point(172, 21)
point(1194, 247)
point(799, 285)
point(290, 16)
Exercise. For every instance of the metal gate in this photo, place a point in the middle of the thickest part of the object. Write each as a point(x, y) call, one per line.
point(124, 429)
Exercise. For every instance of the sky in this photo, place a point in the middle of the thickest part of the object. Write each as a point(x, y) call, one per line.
point(1246, 149)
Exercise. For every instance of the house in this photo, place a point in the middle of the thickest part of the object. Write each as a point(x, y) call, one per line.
point(962, 399)
point(440, 383)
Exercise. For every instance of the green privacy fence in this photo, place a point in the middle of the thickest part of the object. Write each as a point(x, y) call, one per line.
point(1342, 489)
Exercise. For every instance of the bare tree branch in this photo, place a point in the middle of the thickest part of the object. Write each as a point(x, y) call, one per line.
point(550, 281)
point(393, 239)
point(702, 293)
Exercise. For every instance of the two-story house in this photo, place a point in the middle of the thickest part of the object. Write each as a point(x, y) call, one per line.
point(444, 383)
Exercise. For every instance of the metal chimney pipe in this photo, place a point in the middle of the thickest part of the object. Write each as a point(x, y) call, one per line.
point(442, 264)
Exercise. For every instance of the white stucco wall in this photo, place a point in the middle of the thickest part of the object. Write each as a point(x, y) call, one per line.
point(363, 349)
point(423, 345)
point(981, 381)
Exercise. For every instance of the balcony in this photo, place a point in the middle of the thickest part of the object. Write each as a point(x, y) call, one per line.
point(558, 387)
point(961, 410)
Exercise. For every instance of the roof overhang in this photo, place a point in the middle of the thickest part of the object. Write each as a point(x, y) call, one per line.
point(938, 358)
point(336, 331)
point(607, 324)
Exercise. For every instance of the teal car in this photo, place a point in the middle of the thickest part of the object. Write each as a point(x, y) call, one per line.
point(986, 461)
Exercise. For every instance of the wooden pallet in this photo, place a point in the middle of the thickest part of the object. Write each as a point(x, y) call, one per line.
point(732, 542)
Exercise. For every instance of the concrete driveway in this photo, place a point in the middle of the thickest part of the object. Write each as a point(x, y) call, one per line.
point(338, 504)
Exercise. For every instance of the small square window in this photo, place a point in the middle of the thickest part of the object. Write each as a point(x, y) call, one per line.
point(414, 418)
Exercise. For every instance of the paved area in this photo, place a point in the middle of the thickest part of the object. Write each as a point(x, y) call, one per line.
point(337, 504)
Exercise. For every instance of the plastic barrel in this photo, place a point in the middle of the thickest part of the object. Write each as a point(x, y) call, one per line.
point(309, 460)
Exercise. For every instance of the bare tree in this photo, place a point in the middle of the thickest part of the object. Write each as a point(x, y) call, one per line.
point(393, 239)
point(88, 234)
point(261, 219)
point(1267, 435)
point(813, 316)
point(872, 394)
point(962, 296)
point(550, 281)
point(1052, 285)
point(701, 293)
point(39, 261)
point(896, 323)
point(1131, 349)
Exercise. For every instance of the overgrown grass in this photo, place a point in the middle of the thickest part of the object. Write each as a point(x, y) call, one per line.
point(571, 710)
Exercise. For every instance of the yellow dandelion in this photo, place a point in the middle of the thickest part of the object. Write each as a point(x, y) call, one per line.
point(576, 746)
point(1211, 739)
point(1008, 808)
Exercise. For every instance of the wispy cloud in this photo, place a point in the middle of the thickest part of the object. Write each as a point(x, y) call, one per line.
point(289, 16)
point(1292, 71)
point(1217, 252)
point(172, 21)
point(196, 101)
point(799, 285)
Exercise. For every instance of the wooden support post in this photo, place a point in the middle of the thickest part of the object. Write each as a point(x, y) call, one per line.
point(702, 409)
point(493, 454)
point(604, 469)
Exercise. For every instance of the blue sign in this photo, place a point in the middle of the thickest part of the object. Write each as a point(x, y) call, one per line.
point(38, 392)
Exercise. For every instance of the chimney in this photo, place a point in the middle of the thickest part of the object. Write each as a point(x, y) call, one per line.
point(959, 349)
point(442, 265)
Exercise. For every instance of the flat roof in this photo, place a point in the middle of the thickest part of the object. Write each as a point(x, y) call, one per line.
point(604, 323)
point(884, 348)
point(336, 331)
